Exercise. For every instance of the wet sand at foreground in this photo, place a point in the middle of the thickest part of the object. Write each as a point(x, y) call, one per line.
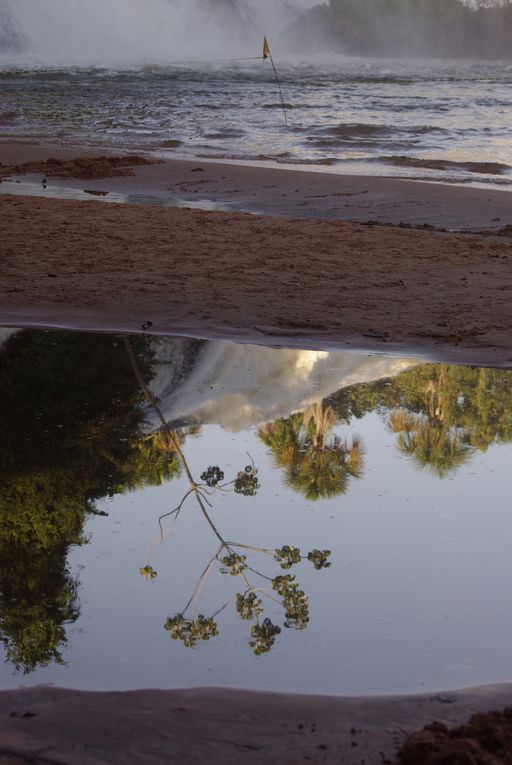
point(213, 726)
point(276, 191)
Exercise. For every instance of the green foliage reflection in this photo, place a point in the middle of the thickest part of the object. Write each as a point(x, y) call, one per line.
point(71, 420)
point(71, 416)
point(441, 414)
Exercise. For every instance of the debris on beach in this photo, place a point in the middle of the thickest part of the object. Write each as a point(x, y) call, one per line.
point(486, 740)
point(83, 167)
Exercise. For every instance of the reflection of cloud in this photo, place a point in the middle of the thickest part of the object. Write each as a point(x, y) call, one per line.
point(237, 386)
point(307, 360)
point(233, 411)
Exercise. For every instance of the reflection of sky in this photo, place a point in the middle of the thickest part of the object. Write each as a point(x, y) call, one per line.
point(417, 597)
point(237, 386)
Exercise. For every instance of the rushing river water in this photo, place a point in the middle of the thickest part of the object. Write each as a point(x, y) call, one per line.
point(305, 521)
point(433, 120)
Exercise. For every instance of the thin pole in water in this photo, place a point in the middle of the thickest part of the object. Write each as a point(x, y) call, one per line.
point(267, 54)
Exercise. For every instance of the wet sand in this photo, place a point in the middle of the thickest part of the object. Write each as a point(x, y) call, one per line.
point(214, 726)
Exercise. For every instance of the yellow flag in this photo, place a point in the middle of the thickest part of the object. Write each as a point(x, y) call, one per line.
point(266, 48)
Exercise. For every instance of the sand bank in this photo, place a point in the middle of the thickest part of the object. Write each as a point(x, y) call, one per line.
point(48, 725)
point(269, 280)
point(309, 279)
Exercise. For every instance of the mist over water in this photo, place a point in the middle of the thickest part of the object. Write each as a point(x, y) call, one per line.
point(130, 32)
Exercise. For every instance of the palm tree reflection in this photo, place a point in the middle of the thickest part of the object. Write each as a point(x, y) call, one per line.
point(316, 464)
point(430, 443)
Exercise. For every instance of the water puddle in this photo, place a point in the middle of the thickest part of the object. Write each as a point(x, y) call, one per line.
point(57, 191)
point(176, 512)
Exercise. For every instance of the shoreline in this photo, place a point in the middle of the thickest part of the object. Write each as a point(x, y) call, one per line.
point(214, 725)
point(44, 318)
point(285, 192)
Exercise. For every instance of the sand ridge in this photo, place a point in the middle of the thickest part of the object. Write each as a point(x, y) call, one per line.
point(256, 275)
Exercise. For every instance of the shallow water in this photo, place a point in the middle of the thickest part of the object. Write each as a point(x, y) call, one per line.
point(395, 473)
point(434, 120)
point(49, 190)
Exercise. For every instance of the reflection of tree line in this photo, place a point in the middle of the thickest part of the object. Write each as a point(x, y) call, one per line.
point(72, 433)
point(441, 415)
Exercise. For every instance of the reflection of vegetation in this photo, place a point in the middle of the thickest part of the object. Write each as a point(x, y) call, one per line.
point(441, 413)
point(315, 464)
point(71, 422)
point(231, 558)
point(153, 464)
point(38, 596)
point(283, 590)
point(430, 443)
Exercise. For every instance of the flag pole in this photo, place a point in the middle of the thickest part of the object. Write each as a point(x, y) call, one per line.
point(268, 54)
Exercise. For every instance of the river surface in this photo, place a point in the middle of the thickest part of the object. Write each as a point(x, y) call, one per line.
point(304, 521)
point(443, 121)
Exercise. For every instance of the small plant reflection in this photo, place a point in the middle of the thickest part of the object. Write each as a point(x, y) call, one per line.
point(189, 626)
point(231, 559)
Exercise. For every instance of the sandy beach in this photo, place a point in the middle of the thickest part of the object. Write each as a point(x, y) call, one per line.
point(283, 258)
point(311, 281)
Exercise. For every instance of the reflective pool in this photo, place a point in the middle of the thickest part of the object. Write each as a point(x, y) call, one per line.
point(177, 512)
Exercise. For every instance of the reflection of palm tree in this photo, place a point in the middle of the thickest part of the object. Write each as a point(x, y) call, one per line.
point(322, 418)
point(155, 463)
point(325, 471)
point(316, 465)
point(430, 443)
